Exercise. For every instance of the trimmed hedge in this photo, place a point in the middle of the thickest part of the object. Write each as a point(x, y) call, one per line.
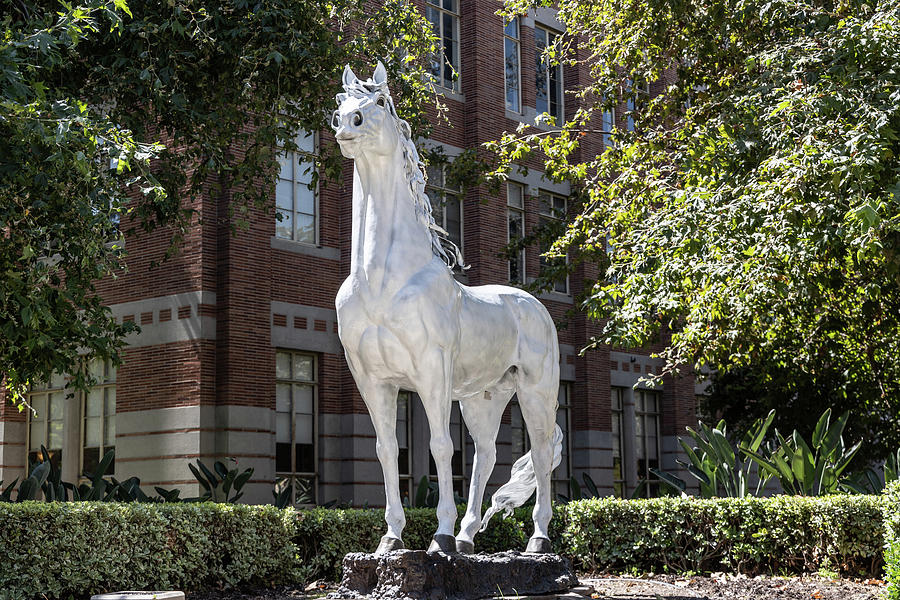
point(892, 540)
point(77, 549)
point(781, 534)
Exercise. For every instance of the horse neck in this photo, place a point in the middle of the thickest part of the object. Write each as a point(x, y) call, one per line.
point(389, 242)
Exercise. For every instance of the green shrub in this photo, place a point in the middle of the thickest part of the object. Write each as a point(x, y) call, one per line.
point(77, 549)
point(782, 534)
point(325, 535)
point(892, 540)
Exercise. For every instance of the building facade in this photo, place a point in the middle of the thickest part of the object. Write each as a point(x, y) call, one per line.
point(238, 355)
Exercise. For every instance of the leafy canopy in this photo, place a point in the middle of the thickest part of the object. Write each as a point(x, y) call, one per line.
point(114, 117)
point(754, 212)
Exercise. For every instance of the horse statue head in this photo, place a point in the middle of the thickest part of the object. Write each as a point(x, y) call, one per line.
point(366, 122)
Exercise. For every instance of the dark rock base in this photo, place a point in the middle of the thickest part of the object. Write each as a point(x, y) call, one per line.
point(417, 575)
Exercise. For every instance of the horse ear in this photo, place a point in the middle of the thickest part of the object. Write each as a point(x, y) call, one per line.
point(380, 76)
point(349, 78)
point(340, 98)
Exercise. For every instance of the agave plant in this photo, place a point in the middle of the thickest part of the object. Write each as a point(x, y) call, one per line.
point(809, 470)
point(716, 464)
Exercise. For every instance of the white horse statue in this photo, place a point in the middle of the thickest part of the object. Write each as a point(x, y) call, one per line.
point(405, 322)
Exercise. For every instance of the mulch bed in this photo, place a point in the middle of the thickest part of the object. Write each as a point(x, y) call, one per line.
point(648, 587)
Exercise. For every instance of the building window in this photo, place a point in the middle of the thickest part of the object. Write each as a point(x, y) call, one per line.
point(445, 204)
point(458, 435)
point(295, 202)
point(618, 447)
point(511, 62)
point(295, 423)
point(563, 473)
point(45, 424)
point(518, 430)
point(609, 123)
point(553, 211)
point(404, 433)
point(98, 424)
point(635, 101)
point(548, 76)
point(515, 203)
point(646, 430)
point(444, 18)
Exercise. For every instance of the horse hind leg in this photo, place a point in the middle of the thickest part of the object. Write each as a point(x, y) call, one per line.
point(482, 417)
point(539, 404)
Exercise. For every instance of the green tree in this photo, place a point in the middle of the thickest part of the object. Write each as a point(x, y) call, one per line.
point(115, 115)
point(752, 216)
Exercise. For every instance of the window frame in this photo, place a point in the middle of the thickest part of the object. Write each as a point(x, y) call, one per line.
point(443, 192)
point(541, 62)
point(512, 209)
point(51, 388)
point(314, 383)
point(296, 163)
point(108, 381)
point(617, 414)
point(559, 483)
point(517, 43)
point(438, 6)
point(641, 90)
point(640, 437)
point(544, 217)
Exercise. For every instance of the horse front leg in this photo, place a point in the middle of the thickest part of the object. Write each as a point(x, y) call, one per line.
point(435, 391)
point(381, 400)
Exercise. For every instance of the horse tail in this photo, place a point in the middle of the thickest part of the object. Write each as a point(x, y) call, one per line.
point(522, 482)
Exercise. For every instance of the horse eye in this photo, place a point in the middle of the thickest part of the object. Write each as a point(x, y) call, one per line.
point(335, 119)
point(381, 101)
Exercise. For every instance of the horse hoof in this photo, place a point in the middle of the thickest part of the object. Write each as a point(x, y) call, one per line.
point(464, 547)
point(442, 543)
point(389, 544)
point(539, 545)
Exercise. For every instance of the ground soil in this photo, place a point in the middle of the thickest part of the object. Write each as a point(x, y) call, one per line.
point(648, 587)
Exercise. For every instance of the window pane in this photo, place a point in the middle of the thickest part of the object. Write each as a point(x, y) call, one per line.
point(92, 431)
point(283, 397)
point(56, 434)
point(563, 396)
point(511, 67)
point(39, 404)
point(511, 28)
point(37, 434)
point(303, 367)
point(284, 195)
point(286, 170)
point(450, 5)
point(306, 231)
point(96, 369)
point(306, 142)
point(285, 227)
point(283, 457)
point(435, 177)
point(57, 381)
point(305, 458)
point(282, 365)
point(304, 429)
point(93, 405)
point(303, 399)
point(56, 406)
point(90, 458)
point(283, 428)
point(540, 71)
point(453, 223)
point(514, 195)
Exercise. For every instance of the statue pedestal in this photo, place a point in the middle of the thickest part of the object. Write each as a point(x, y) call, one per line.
point(417, 575)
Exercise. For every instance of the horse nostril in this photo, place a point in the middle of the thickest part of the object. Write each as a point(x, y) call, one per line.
point(357, 119)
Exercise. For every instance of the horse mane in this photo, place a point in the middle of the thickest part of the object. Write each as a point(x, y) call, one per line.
point(416, 176)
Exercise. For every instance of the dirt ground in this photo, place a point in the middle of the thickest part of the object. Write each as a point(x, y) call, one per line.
point(649, 587)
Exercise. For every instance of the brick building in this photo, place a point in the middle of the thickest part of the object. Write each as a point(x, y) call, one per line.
point(238, 354)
